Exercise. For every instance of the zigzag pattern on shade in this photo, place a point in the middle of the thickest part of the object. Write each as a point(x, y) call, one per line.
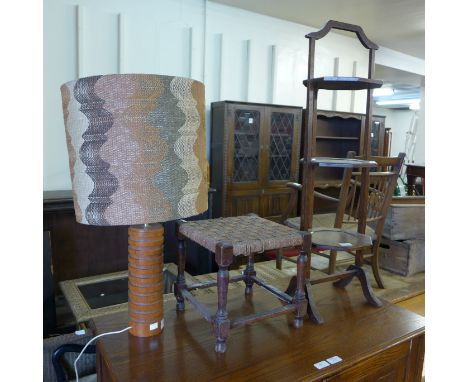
point(100, 121)
point(183, 147)
point(136, 148)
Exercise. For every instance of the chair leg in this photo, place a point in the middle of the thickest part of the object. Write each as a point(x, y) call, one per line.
point(332, 262)
point(180, 280)
point(221, 322)
point(248, 273)
point(359, 258)
point(365, 284)
point(279, 259)
point(312, 310)
point(375, 269)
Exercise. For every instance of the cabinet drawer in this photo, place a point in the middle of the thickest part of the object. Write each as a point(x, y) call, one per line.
point(387, 366)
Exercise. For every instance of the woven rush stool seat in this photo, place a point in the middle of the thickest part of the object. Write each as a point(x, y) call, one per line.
point(248, 234)
point(244, 235)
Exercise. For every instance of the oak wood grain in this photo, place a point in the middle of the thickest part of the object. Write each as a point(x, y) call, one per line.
point(272, 349)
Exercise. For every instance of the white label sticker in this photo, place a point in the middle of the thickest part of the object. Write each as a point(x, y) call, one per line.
point(321, 364)
point(154, 326)
point(80, 332)
point(250, 120)
point(345, 244)
point(334, 359)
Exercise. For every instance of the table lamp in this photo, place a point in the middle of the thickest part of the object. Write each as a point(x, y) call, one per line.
point(137, 157)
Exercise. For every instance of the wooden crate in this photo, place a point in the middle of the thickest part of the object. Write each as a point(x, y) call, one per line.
point(402, 257)
point(405, 218)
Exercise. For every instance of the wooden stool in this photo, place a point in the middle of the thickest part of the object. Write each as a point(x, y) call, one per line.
point(245, 235)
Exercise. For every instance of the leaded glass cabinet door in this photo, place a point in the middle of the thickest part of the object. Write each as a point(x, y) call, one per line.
point(282, 143)
point(377, 135)
point(246, 146)
point(244, 158)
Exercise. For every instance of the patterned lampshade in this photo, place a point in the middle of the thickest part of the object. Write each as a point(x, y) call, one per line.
point(136, 145)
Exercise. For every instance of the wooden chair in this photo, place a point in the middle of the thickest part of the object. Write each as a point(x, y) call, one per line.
point(342, 237)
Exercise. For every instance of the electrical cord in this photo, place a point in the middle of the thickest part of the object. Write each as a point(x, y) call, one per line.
point(89, 342)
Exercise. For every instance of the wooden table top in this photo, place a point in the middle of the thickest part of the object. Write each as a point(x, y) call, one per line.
point(269, 350)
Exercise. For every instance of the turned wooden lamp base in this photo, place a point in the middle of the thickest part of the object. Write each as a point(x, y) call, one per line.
point(145, 279)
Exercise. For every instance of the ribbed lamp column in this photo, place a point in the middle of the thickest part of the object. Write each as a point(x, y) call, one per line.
point(145, 279)
point(137, 155)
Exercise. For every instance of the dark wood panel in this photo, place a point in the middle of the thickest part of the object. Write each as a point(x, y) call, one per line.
point(244, 204)
point(336, 148)
point(275, 203)
point(48, 306)
point(80, 250)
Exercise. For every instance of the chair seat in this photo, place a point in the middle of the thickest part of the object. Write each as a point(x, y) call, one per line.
point(329, 238)
point(247, 234)
point(339, 239)
point(327, 221)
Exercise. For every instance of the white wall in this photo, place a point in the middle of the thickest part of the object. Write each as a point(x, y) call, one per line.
point(400, 122)
point(88, 37)
point(239, 55)
point(276, 62)
point(419, 152)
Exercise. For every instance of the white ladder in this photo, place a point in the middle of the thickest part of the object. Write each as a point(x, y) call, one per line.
point(410, 142)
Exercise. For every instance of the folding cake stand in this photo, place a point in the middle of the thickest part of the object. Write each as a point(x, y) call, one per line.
point(247, 235)
point(310, 162)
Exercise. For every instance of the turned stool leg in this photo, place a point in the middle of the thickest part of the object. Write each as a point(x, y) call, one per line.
point(279, 258)
point(332, 262)
point(248, 273)
point(221, 322)
point(180, 281)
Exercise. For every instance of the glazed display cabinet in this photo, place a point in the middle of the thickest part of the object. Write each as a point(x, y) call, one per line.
point(254, 153)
